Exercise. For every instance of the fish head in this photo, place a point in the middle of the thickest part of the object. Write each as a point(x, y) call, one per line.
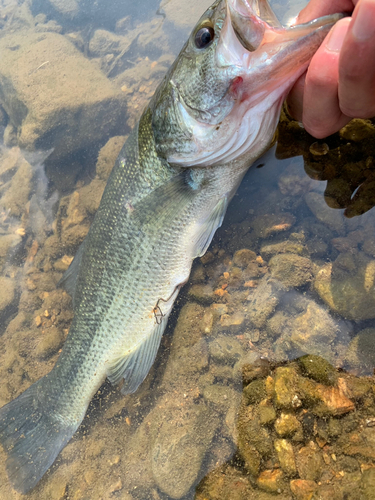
point(221, 99)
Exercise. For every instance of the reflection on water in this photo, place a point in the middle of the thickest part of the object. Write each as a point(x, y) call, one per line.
point(263, 385)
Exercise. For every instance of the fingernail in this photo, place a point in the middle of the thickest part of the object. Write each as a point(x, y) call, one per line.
point(336, 37)
point(364, 22)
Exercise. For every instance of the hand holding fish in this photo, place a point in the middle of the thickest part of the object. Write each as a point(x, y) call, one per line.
point(340, 81)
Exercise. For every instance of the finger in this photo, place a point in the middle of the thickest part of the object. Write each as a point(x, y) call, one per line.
point(318, 8)
point(322, 115)
point(357, 65)
point(295, 98)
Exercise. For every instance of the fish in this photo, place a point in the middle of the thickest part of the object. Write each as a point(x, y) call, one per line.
point(212, 116)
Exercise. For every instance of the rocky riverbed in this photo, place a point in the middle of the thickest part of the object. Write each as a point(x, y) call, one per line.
point(263, 387)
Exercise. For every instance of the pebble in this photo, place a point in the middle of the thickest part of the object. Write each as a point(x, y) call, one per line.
point(303, 489)
point(287, 424)
point(271, 481)
point(285, 455)
point(291, 270)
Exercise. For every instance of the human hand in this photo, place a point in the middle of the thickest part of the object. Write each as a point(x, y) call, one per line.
point(340, 81)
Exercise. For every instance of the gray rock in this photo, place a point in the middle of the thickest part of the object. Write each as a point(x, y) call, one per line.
point(264, 301)
point(361, 352)
point(104, 42)
point(180, 437)
point(350, 292)
point(64, 102)
point(226, 350)
point(332, 218)
point(291, 270)
point(7, 295)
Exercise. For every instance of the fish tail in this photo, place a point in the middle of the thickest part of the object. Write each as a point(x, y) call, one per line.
point(32, 436)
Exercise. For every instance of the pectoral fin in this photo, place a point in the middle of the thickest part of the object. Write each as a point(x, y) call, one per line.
point(207, 228)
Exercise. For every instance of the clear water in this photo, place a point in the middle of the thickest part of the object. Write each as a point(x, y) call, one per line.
point(304, 284)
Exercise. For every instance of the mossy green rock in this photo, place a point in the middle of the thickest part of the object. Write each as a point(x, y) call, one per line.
point(318, 369)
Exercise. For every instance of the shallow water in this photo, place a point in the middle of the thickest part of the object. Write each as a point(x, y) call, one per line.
point(226, 412)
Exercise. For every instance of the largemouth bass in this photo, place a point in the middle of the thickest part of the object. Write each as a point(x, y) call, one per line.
point(215, 112)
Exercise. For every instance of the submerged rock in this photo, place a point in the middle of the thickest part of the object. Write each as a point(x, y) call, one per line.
point(351, 292)
point(56, 101)
point(291, 270)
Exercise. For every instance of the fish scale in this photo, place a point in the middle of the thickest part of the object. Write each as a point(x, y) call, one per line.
point(215, 112)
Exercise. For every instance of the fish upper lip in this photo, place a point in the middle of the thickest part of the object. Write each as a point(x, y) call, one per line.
point(238, 46)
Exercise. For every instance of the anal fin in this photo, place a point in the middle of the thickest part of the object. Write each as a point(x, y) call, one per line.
point(134, 366)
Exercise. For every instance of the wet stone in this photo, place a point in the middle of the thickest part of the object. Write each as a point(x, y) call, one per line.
point(368, 484)
point(225, 350)
point(244, 257)
point(286, 390)
point(309, 462)
point(267, 414)
point(303, 489)
point(7, 295)
point(318, 369)
point(264, 301)
point(291, 270)
point(255, 392)
point(271, 481)
point(285, 455)
point(333, 219)
point(287, 424)
point(203, 294)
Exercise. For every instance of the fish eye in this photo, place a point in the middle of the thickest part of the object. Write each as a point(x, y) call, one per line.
point(204, 37)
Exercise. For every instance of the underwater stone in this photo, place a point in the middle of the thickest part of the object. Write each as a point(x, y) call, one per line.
point(285, 455)
point(255, 391)
point(287, 424)
point(54, 100)
point(283, 247)
point(291, 270)
point(244, 257)
point(271, 224)
point(264, 301)
point(271, 481)
point(333, 219)
point(318, 369)
point(180, 438)
point(309, 462)
point(225, 350)
point(350, 294)
point(303, 489)
point(108, 155)
point(8, 291)
point(360, 354)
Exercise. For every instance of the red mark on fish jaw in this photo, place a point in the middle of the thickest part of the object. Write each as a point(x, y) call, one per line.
point(237, 89)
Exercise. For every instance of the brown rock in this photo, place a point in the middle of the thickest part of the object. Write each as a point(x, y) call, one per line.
point(271, 481)
point(108, 155)
point(244, 257)
point(303, 489)
point(309, 462)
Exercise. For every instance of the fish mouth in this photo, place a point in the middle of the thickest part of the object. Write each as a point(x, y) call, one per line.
point(253, 40)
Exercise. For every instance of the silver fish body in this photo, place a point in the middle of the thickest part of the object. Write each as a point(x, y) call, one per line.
point(214, 113)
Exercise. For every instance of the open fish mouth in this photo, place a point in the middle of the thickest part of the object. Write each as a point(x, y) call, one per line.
point(252, 39)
